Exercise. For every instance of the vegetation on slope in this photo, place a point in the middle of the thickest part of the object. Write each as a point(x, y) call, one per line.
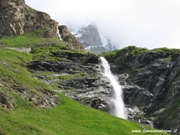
point(69, 117)
point(133, 50)
point(13, 71)
point(28, 40)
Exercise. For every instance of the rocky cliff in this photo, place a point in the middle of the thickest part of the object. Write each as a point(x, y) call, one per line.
point(92, 40)
point(17, 19)
point(78, 76)
point(151, 81)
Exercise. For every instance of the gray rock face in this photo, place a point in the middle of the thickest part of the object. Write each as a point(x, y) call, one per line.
point(17, 19)
point(89, 35)
point(78, 77)
point(92, 40)
point(150, 80)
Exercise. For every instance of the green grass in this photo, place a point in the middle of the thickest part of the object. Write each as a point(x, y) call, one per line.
point(29, 40)
point(130, 51)
point(73, 76)
point(69, 118)
point(110, 55)
point(133, 50)
point(15, 126)
point(173, 113)
point(164, 49)
point(57, 52)
point(14, 72)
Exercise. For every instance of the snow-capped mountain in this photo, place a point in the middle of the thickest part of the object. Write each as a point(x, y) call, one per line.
point(92, 40)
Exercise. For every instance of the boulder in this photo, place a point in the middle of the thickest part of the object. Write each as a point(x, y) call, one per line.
point(5, 101)
point(68, 37)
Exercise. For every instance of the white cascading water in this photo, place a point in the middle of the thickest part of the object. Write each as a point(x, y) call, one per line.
point(117, 107)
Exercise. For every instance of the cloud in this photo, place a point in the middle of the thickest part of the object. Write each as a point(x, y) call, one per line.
point(144, 23)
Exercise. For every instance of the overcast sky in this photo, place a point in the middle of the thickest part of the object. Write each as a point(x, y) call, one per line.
point(143, 23)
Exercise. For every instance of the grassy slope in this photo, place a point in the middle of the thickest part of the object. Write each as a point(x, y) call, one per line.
point(69, 118)
point(13, 71)
point(28, 40)
point(72, 118)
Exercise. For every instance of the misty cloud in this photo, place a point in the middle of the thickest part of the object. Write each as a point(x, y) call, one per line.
point(144, 23)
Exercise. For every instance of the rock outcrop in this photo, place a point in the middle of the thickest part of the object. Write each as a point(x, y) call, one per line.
point(68, 37)
point(17, 19)
point(79, 77)
point(92, 40)
point(150, 79)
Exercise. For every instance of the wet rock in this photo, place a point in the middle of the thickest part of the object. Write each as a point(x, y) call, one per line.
point(136, 115)
point(100, 105)
point(152, 82)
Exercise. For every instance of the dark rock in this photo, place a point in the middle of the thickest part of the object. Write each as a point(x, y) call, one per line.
point(136, 96)
point(89, 89)
point(92, 59)
point(5, 102)
point(100, 105)
point(152, 82)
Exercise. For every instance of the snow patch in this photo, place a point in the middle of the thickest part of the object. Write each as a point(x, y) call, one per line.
point(105, 41)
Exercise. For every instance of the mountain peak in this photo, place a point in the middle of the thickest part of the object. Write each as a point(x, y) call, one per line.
point(91, 23)
point(91, 40)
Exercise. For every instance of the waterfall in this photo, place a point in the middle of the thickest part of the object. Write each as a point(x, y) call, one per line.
point(117, 107)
